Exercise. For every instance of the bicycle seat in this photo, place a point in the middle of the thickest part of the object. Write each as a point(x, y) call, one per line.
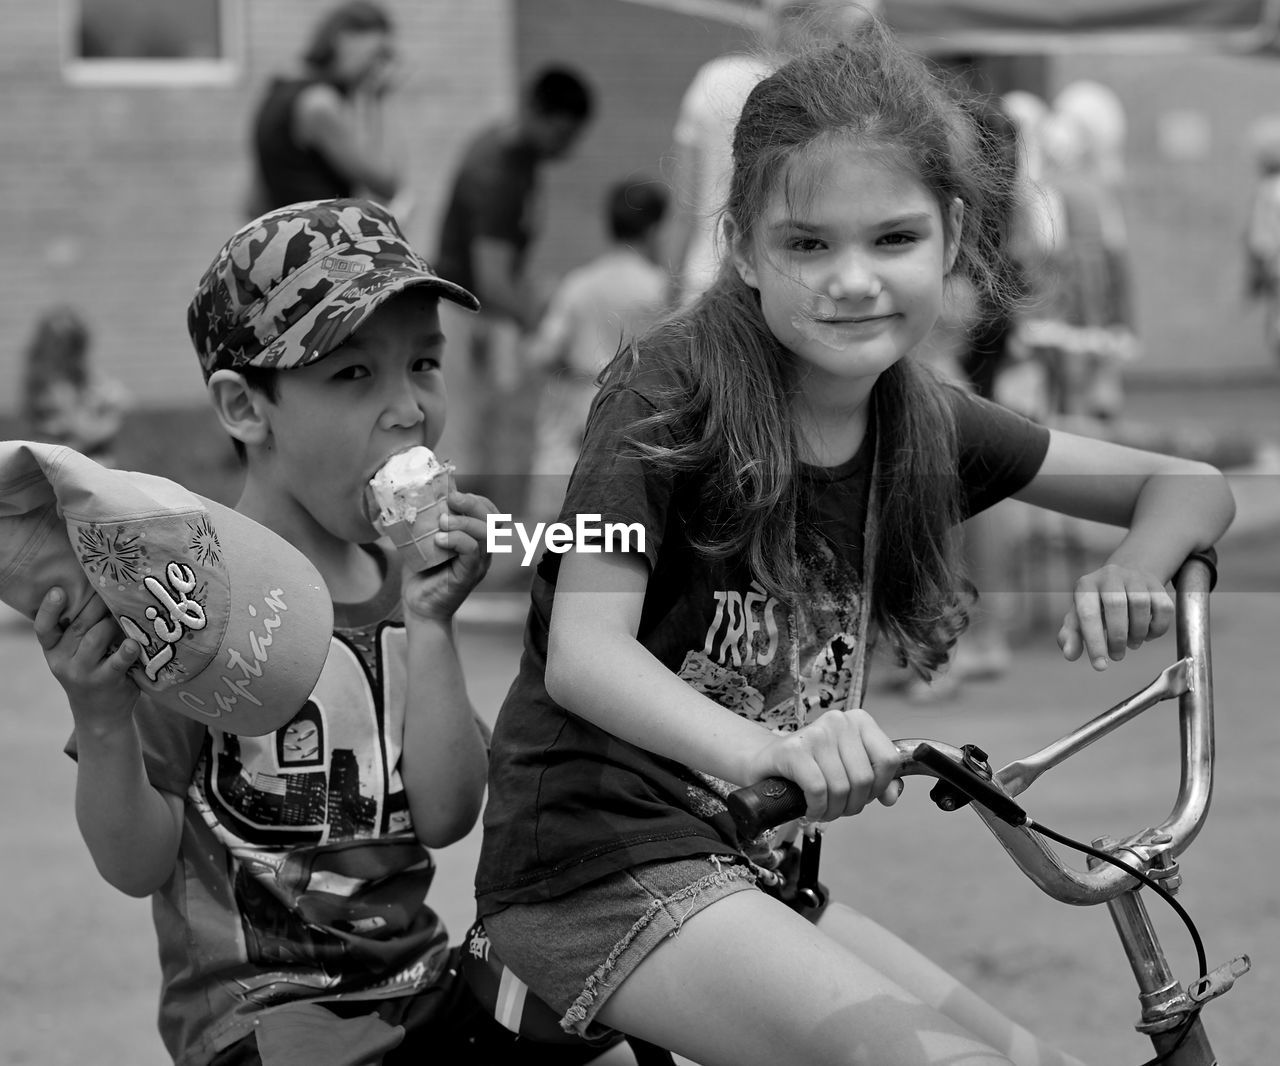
point(508, 998)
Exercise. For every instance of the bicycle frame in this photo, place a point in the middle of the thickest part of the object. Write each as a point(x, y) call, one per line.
point(1165, 1004)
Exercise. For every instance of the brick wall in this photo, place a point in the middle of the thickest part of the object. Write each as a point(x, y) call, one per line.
point(115, 199)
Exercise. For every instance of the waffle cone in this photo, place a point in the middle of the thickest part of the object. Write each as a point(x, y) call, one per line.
point(415, 541)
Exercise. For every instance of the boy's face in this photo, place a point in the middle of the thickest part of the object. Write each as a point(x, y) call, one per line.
point(336, 421)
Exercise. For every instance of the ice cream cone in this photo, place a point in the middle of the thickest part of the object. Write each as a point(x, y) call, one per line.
point(415, 541)
point(405, 501)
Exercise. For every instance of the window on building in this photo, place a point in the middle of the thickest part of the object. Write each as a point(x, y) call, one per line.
point(151, 42)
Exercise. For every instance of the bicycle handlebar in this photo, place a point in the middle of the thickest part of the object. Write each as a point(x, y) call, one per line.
point(772, 802)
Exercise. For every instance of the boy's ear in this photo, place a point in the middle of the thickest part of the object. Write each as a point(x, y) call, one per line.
point(241, 410)
point(739, 253)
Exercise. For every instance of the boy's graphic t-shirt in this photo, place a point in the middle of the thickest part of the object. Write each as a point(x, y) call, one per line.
point(299, 875)
point(568, 802)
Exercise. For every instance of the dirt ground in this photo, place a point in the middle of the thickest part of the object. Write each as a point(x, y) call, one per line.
point(79, 976)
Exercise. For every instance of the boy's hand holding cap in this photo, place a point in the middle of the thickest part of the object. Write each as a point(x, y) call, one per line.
point(234, 622)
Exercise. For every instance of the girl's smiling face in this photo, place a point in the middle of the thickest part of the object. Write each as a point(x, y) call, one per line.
point(850, 259)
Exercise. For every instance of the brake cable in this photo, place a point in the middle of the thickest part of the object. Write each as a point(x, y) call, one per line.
point(1202, 963)
point(964, 779)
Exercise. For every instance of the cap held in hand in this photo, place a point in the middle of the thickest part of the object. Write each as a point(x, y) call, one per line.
point(234, 622)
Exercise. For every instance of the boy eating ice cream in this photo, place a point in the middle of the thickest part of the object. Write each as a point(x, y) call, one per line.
point(288, 871)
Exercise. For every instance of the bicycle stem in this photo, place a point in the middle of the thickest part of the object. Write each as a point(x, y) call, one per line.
point(1164, 1003)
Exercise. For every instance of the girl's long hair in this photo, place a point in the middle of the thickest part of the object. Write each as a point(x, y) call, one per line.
point(731, 417)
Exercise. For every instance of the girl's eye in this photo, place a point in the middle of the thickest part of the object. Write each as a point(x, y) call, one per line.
point(426, 364)
point(806, 244)
point(899, 238)
point(351, 373)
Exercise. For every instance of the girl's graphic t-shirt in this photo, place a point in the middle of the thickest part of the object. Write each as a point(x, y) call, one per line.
point(568, 802)
point(299, 876)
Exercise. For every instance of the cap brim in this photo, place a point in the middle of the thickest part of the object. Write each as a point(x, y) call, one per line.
point(279, 630)
point(346, 308)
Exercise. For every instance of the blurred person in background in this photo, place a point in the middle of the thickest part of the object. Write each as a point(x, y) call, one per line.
point(708, 113)
point(1085, 144)
point(986, 357)
point(322, 134)
point(1262, 231)
point(971, 345)
point(1069, 329)
point(490, 224)
point(1036, 238)
point(596, 309)
point(64, 400)
point(1082, 326)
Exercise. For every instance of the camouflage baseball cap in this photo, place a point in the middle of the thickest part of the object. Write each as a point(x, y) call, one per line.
point(292, 285)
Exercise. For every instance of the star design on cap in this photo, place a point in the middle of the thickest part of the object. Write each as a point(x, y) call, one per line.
point(204, 544)
point(115, 554)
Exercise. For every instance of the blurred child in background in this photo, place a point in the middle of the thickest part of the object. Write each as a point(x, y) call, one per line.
point(1083, 140)
point(64, 401)
point(596, 308)
point(1262, 235)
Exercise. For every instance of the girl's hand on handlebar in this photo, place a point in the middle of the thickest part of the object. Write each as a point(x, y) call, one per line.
point(842, 761)
point(1114, 608)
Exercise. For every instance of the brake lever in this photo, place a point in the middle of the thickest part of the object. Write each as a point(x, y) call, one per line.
point(970, 783)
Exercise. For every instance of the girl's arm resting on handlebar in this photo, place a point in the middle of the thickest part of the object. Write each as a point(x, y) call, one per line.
point(598, 670)
point(1170, 506)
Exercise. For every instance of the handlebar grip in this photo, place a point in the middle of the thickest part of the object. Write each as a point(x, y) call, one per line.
point(764, 805)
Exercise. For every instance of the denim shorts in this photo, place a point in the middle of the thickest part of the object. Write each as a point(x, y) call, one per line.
point(574, 951)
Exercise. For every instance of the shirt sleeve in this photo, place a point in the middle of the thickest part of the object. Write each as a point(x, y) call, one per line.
point(999, 451)
point(612, 482)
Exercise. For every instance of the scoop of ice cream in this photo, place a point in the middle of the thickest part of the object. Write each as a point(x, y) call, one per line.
point(406, 484)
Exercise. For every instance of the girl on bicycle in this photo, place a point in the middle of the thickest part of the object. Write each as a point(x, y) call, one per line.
point(797, 477)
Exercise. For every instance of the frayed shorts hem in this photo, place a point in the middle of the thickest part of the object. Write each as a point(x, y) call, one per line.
point(553, 946)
